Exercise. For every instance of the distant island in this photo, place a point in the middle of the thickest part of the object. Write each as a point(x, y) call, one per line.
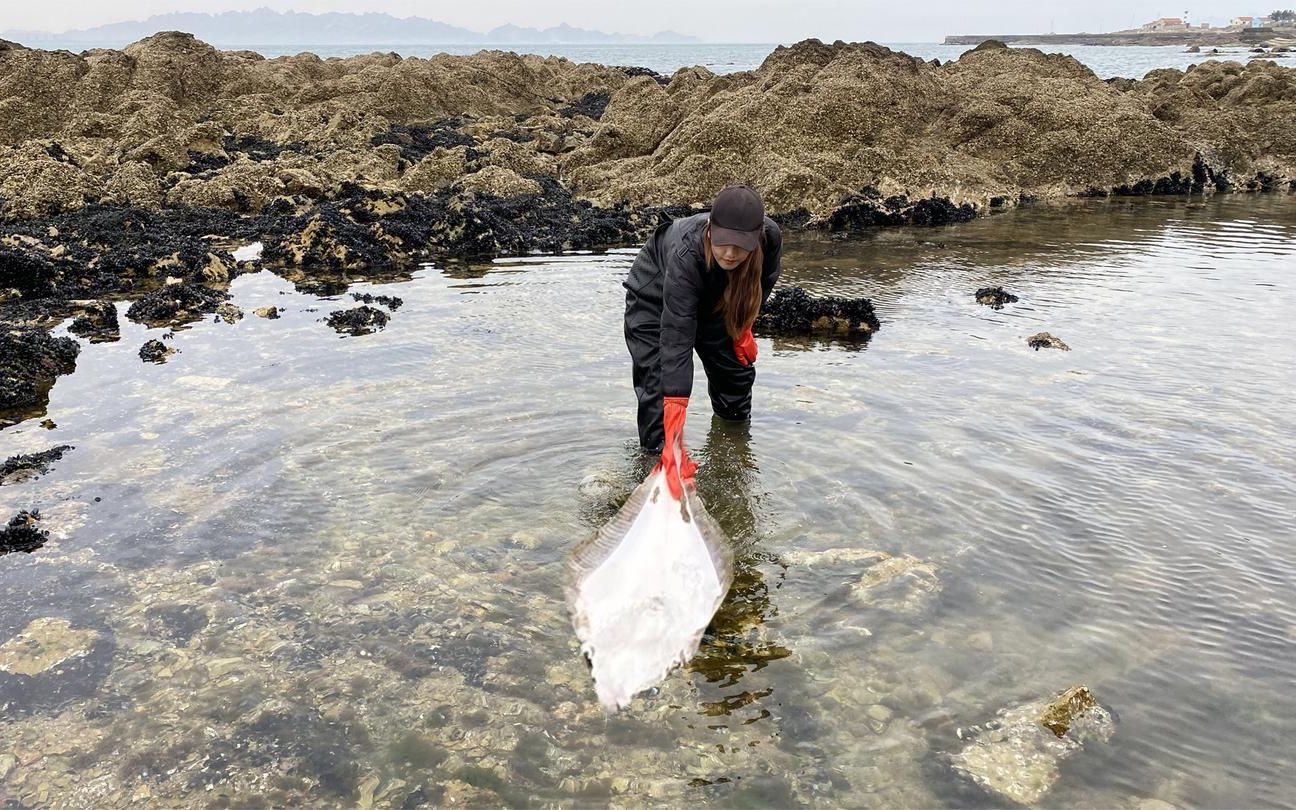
point(1277, 28)
point(267, 27)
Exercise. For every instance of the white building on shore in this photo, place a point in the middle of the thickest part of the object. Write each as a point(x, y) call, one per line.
point(1165, 24)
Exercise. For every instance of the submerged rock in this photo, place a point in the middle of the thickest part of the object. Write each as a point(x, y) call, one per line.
point(1016, 755)
point(19, 468)
point(900, 584)
point(995, 297)
point(24, 534)
point(49, 663)
point(362, 320)
point(1044, 340)
point(43, 645)
point(791, 310)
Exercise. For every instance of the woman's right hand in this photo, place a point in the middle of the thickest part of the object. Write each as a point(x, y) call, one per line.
point(674, 458)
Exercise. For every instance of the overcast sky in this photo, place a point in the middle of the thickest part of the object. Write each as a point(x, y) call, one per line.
point(713, 20)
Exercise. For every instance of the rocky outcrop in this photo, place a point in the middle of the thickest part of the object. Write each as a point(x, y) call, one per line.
point(30, 359)
point(817, 123)
point(172, 121)
point(791, 310)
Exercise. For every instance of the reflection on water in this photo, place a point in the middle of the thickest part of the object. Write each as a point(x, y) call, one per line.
point(289, 567)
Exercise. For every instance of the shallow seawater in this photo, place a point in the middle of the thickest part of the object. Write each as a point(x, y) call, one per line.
point(302, 567)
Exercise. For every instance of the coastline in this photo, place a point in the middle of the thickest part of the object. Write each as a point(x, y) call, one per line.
point(1249, 37)
point(138, 170)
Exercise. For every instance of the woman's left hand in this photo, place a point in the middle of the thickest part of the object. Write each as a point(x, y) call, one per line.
point(745, 348)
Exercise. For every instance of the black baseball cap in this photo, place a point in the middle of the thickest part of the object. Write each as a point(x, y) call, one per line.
point(737, 217)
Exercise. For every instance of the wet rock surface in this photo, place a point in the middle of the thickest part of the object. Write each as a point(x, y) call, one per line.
point(24, 467)
point(22, 533)
point(793, 311)
point(994, 297)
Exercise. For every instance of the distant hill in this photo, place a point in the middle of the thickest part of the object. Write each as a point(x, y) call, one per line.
point(265, 27)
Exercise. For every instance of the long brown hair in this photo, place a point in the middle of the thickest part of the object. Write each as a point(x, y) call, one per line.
point(742, 296)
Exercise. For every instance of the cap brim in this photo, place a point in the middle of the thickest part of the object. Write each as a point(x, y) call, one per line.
point(747, 240)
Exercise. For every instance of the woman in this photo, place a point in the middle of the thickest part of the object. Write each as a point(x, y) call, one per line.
point(698, 284)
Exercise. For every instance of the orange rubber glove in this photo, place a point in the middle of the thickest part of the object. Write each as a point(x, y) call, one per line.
point(745, 348)
point(674, 458)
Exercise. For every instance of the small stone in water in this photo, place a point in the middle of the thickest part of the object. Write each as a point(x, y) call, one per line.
point(1043, 340)
point(995, 297)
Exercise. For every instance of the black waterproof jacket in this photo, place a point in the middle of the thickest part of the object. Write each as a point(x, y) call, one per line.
point(670, 275)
